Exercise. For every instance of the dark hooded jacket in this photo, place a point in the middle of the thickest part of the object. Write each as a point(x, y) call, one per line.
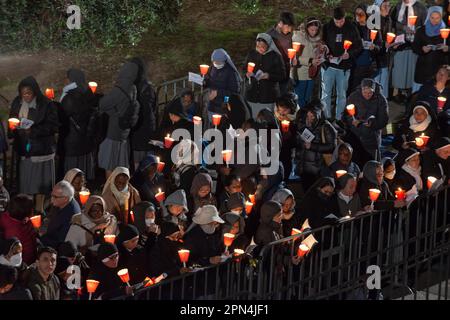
point(268, 230)
point(41, 136)
point(225, 81)
point(77, 106)
point(434, 166)
point(294, 222)
point(352, 168)
point(176, 198)
point(147, 122)
point(202, 245)
point(405, 133)
point(430, 94)
point(325, 140)
point(116, 102)
point(377, 107)
point(241, 241)
point(147, 187)
point(146, 239)
point(195, 202)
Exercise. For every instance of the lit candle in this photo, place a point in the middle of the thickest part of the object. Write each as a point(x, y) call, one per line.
point(347, 45)
point(295, 231)
point(109, 238)
point(216, 119)
point(425, 139)
point(441, 103)
point(161, 165)
point(296, 46)
point(168, 141)
point(93, 86)
point(84, 196)
point(250, 67)
point(184, 256)
point(197, 120)
point(227, 154)
point(430, 182)
point(285, 125)
point(340, 173)
point(36, 221)
point(132, 216)
point(302, 250)
point(124, 276)
point(248, 207)
point(400, 194)
point(444, 34)
point(50, 93)
point(91, 286)
point(148, 282)
point(291, 53)
point(252, 198)
point(238, 252)
point(412, 20)
point(228, 239)
point(373, 35)
point(160, 196)
point(419, 142)
point(374, 194)
point(204, 69)
point(13, 123)
point(351, 110)
point(390, 37)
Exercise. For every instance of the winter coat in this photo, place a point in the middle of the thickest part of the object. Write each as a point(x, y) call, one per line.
point(16, 293)
point(202, 245)
point(383, 56)
point(283, 43)
point(225, 81)
point(268, 230)
point(376, 106)
point(384, 202)
point(25, 232)
point(367, 57)
point(308, 53)
point(134, 261)
point(41, 136)
point(110, 285)
point(434, 166)
point(267, 90)
point(427, 63)
point(116, 102)
point(429, 93)
point(113, 206)
point(41, 289)
point(316, 209)
point(400, 28)
point(334, 38)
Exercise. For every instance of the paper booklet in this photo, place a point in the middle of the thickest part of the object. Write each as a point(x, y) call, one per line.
point(336, 60)
point(400, 39)
point(307, 135)
point(26, 123)
point(367, 44)
point(157, 143)
point(259, 74)
point(310, 241)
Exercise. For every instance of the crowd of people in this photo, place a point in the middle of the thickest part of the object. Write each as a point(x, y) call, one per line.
point(111, 147)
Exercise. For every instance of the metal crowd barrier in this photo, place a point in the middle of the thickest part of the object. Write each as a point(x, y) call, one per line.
point(410, 249)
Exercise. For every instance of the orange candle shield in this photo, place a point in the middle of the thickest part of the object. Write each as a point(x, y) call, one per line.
point(204, 69)
point(340, 173)
point(252, 198)
point(13, 123)
point(400, 194)
point(441, 102)
point(285, 125)
point(160, 196)
point(296, 46)
point(351, 110)
point(84, 196)
point(347, 44)
point(303, 249)
point(390, 37)
point(124, 275)
point(168, 142)
point(295, 231)
point(430, 181)
point(248, 207)
point(184, 255)
point(250, 67)
point(93, 86)
point(292, 53)
point(228, 239)
point(109, 238)
point(412, 20)
point(50, 93)
point(373, 34)
point(444, 33)
point(92, 285)
point(374, 194)
point(425, 139)
point(227, 155)
point(197, 120)
point(216, 119)
point(36, 221)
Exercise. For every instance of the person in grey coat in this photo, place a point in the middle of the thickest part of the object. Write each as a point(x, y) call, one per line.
point(114, 150)
point(371, 116)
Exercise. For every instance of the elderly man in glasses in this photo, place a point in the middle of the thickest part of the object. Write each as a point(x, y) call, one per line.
point(64, 206)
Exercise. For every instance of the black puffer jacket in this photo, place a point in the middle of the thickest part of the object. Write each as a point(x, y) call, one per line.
point(325, 140)
point(267, 90)
point(377, 107)
point(41, 136)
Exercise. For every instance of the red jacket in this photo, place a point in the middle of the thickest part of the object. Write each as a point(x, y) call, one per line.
point(25, 232)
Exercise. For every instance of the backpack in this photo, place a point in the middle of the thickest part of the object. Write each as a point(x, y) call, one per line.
point(131, 115)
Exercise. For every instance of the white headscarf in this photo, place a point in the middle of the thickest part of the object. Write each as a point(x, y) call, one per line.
point(121, 196)
point(268, 39)
point(71, 174)
point(403, 7)
point(419, 126)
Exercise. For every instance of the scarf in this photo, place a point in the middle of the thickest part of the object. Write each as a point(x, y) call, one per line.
point(25, 108)
point(403, 7)
point(71, 174)
point(419, 126)
point(345, 198)
point(416, 174)
point(121, 196)
point(66, 90)
point(430, 29)
point(102, 222)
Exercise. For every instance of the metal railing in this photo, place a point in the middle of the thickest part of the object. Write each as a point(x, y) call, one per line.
point(410, 248)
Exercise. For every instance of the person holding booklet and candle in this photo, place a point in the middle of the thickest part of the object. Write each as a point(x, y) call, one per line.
point(429, 47)
point(235, 224)
point(436, 89)
point(174, 210)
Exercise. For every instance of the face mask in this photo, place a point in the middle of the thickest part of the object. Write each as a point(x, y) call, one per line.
point(16, 260)
point(207, 228)
point(390, 175)
point(219, 65)
point(149, 222)
point(236, 212)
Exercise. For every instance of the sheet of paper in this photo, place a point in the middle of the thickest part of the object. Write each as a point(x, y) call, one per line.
point(310, 241)
point(307, 135)
point(367, 44)
point(336, 60)
point(196, 78)
point(26, 123)
point(399, 39)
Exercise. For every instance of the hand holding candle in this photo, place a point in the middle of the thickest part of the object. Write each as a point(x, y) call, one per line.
point(160, 196)
point(252, 198)
point(347, 45)
point(351, 110)
point(248, 207)
point(13, 123)
point(400, 194)
point(373, 195)
point(285, 125)
point(430, 182)
point(91, 286)
point(36, 221)
point(340, 173)
point(373, 35)
point(93, 86)
point(303, 249)
point(184, 256)
point(441, 103)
